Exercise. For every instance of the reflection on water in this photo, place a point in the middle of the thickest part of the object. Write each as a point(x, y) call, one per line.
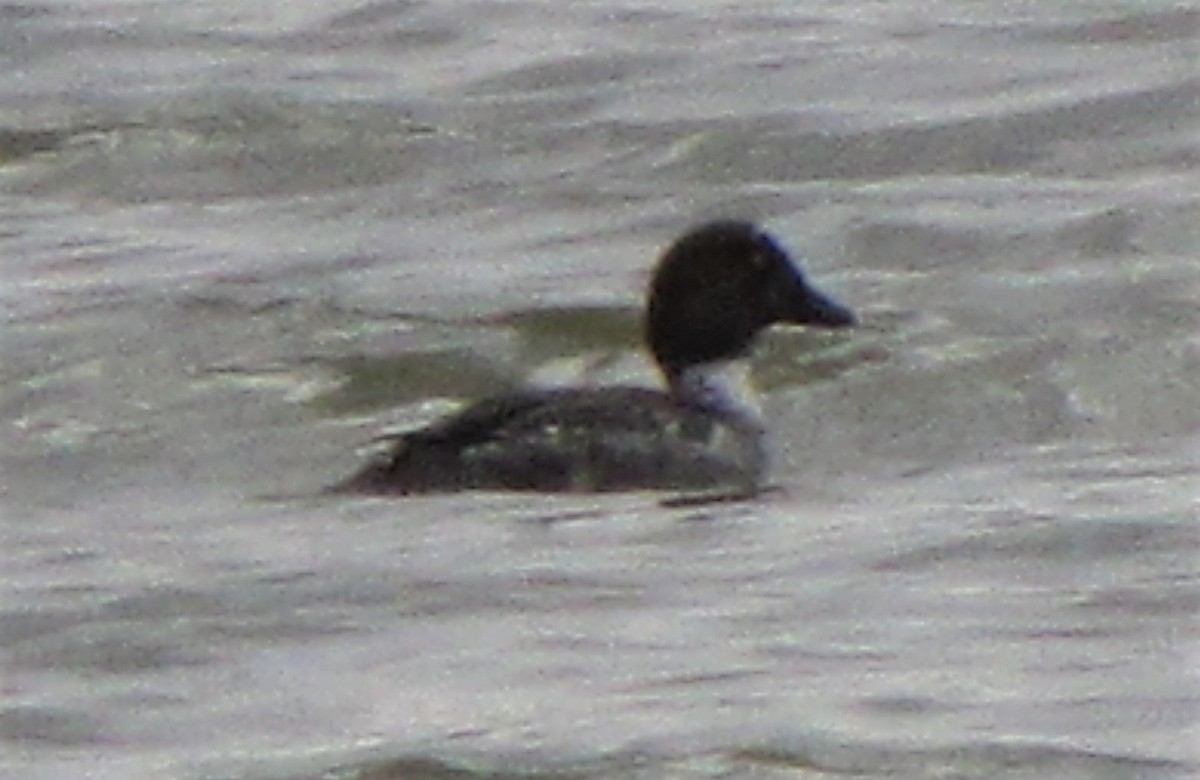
point(238, 243)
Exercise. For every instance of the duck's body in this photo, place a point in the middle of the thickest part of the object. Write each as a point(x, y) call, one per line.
point(569, 440)
point(714, 290)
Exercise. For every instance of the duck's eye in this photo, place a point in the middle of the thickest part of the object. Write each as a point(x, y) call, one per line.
point(766, 252)
point(763, 260)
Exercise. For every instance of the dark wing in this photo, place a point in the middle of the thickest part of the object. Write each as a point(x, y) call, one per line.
point(617, 438)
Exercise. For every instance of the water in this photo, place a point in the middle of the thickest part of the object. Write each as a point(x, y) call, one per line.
point(239, 240)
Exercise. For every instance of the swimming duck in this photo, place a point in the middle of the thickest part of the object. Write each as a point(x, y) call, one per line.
point(714, 290)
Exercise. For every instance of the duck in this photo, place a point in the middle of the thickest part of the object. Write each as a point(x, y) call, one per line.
point(714, 290)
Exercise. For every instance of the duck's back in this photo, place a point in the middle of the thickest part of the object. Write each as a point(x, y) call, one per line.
point(573, 440)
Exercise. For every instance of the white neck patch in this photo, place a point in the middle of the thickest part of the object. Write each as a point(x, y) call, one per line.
point(723, 385)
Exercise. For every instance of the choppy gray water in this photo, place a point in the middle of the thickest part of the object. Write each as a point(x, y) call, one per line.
point(239, 239)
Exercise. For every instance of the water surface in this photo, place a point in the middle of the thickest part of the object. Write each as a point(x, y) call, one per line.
point(238, 241)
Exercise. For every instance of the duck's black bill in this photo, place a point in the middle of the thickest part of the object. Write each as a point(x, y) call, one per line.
point(812, 307)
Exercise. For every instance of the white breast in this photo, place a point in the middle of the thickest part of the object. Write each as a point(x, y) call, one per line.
point(726, 387)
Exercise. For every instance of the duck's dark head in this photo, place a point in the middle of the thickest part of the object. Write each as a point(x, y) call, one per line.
point(718, 286)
